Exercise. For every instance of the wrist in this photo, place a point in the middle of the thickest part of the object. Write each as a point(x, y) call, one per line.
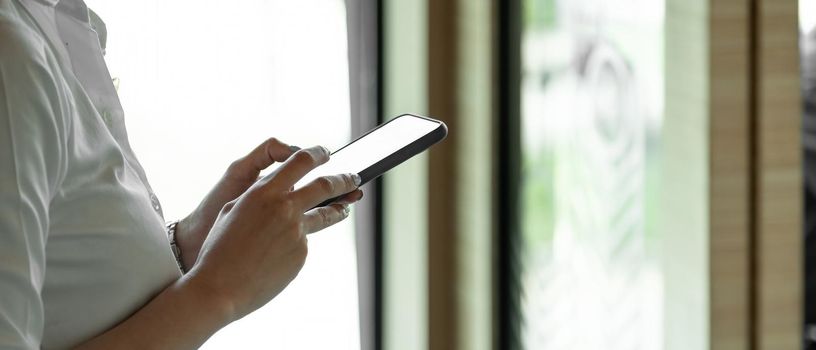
point(174, 245)
point(201, 291)
point(188, 241)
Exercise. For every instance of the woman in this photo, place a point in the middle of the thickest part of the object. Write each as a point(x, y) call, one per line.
point(85, 260)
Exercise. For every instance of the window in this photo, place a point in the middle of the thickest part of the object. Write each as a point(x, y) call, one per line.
point(591, 109)
point(202, 83)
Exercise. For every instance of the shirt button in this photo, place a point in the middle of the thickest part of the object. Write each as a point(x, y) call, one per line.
point(106, 117)
point(154, 201)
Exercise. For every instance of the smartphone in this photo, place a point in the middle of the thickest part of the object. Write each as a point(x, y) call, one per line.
point(381, 149)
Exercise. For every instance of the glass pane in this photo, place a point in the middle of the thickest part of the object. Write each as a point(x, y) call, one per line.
point(592, 101)
point(204, 82)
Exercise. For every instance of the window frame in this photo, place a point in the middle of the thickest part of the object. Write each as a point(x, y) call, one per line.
point(739, 88)
point(508, 134)
point(364, 27)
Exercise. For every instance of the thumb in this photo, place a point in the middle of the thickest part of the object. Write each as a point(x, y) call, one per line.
point(260, 158)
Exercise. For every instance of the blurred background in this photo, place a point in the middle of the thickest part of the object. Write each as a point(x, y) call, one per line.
point(619, 174)
point(206, 70)
point(591, 112)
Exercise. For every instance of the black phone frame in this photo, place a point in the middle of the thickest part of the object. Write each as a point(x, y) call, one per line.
point(400, 156)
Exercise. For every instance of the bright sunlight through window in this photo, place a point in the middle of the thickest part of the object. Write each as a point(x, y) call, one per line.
point(204, 82)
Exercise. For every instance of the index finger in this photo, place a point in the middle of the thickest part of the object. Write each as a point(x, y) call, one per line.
point(297, 166)
point(324, 188)
point(267, 153)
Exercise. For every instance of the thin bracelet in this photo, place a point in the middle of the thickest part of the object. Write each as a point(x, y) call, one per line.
point(171, 233)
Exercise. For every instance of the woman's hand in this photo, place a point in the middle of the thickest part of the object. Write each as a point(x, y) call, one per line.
point(257, 245)
point(241, 174)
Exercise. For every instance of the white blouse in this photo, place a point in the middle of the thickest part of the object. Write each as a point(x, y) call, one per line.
point(82, 237)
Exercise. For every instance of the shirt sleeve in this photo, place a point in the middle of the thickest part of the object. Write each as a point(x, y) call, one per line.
point(32, 135)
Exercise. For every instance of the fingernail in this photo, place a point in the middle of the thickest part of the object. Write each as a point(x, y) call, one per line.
point(357, 179)
point(326, 149)
point(294, 148)
point(346, 209)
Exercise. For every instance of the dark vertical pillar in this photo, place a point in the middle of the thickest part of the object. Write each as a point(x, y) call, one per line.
point(442, 186)
point(365, 68)
point(508, 128)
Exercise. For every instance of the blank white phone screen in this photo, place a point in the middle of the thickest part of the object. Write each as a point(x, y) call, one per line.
point(373, 147)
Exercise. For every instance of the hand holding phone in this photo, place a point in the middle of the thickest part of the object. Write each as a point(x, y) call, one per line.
point(381, 149)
